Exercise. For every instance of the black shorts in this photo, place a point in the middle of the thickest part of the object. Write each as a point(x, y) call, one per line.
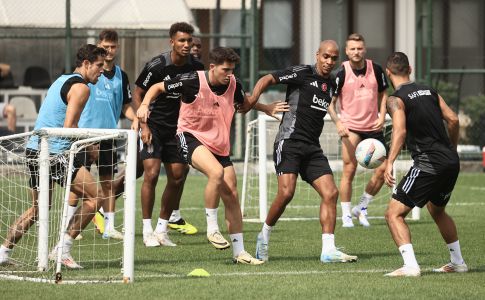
point(187, 143)
point(299, 157)
point(378, 135)
point(58, 170)
point(163, 147)
point(418, 187)
point(107, 161)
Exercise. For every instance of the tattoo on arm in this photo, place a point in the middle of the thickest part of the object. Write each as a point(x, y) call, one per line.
point(393, 105)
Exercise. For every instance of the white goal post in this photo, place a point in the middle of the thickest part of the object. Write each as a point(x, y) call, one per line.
point(259, 179)
point(14, 162)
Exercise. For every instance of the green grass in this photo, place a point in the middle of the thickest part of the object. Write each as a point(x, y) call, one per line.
point(294, 269)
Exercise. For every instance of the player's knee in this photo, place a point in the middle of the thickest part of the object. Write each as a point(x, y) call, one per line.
point(286, 193)
point(151, 176)
point(216, 174)
point(177, 179)
point(331, 195)
point(390, 216)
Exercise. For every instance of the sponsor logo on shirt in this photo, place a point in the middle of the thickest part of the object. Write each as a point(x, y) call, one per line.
point(286, 77)
point(322, 104)
point(419, 94)
point(315, 84)
point(145, 82)
point(174, 85)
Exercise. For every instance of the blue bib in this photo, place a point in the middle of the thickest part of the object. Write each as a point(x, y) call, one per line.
point(52, 114)
point(103, 108)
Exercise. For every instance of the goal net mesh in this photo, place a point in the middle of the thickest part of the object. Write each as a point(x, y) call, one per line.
point(306, 201)
point(100, 258)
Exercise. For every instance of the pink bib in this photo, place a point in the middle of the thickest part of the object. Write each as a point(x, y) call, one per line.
point(209, 116)
point(358, 99)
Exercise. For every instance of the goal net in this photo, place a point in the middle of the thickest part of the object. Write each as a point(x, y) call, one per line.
point(33, 256)
point(260, 182)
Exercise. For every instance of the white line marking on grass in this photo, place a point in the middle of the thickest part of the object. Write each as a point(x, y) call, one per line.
point(477, 188)
point(372, 205)
point(276, 273)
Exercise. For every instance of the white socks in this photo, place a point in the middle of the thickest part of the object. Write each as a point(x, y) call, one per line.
point(365, 199)
point(455, 253)
point(175, 216)
point(147, 226)
point(266, 231)
point(345, 208)
point(328, 243)
point(211, 216)
point(67, 245)
point(161, 226)
point(109, 221)
point(407, 254)
point(71, 210)
point(237, 243)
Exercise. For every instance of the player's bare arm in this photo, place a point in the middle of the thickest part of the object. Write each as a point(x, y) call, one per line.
point(382, 100)
point(342, 130)
point(143, 111)
point(452, 121)
point(77, 97)
point(137, 97)
point(395, 108)
point(260, 86)
point(129, 112)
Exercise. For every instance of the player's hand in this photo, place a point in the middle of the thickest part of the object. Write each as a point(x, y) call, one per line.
point(342, 130)
point(143, 112)
point(135, 125)
point(379, 124)
point(146, 134)
point(389, 174)
point(276, 107)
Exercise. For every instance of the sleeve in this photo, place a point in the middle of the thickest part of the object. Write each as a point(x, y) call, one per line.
point(339, 80)
point(292, 75)
point(382, 84)
point(151, 74)
point(125, 82)
point(239, 93)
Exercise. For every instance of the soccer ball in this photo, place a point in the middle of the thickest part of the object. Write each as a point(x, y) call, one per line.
point(370, 153)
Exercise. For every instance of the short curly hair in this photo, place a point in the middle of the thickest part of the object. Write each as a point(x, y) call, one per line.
point(180, 27)
point(90, 53)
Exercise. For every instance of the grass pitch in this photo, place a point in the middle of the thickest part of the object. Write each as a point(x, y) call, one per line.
point(294, 269)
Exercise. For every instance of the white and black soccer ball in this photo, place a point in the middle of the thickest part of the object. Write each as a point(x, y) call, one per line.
point(370, 153)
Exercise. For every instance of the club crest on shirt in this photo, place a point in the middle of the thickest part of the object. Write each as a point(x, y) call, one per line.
point(324, 87)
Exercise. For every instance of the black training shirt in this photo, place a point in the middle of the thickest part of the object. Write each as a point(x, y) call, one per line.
point(426, 135)
point(308, 94)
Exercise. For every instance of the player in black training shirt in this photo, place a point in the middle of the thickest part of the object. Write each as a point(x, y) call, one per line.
point(297, 148)
point(158, 137)
point(417, 113)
